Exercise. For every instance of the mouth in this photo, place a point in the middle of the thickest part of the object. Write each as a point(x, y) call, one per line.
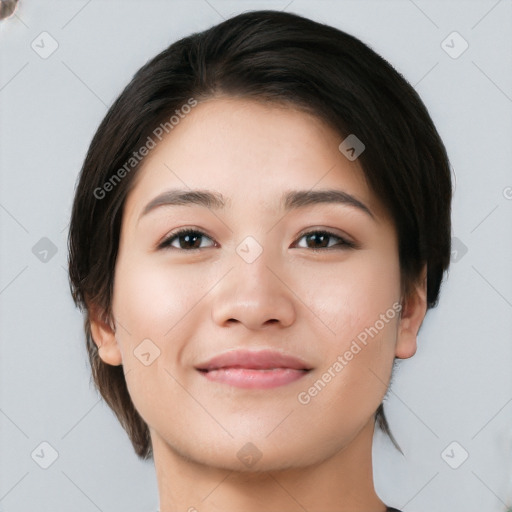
point(262, 369)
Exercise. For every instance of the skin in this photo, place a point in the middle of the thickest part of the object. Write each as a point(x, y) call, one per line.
point(296, 297)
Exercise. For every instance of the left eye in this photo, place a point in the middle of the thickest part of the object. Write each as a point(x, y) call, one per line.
point(189, 239)
point(322, 237)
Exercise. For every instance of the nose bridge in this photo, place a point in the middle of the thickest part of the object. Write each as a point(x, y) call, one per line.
point(252, 267)
point(251, 293)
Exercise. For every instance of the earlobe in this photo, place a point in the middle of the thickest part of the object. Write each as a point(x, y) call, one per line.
point(103, 335)
point(414, 308)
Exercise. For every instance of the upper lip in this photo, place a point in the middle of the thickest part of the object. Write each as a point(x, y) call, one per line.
point(256, 360)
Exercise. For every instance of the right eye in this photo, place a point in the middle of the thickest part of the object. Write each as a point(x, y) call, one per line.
point(187, 239)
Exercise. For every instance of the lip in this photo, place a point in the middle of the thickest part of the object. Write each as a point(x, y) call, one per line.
point(262, 369)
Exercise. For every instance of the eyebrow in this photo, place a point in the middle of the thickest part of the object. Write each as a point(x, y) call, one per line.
point(290, 200)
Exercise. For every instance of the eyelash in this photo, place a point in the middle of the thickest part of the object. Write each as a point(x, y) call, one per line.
point(342, 245)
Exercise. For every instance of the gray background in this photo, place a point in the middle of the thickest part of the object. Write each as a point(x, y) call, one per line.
point(458, 386)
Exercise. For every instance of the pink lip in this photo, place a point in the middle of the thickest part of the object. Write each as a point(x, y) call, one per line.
point(254, 369)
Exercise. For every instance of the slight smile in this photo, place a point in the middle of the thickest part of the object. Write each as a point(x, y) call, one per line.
point(262, 369)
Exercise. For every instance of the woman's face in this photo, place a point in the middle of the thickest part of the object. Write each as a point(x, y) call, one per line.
point(316, 282)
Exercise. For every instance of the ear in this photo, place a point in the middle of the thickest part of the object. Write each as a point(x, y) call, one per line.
point(414, 308)
point(103, 334)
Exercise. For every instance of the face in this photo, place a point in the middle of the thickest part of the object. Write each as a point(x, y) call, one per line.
point(266, 321)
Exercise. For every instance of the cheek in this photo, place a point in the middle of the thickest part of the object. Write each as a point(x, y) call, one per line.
point(158, 303)
point(350, 297)
point(152, 300)
point(359, 311)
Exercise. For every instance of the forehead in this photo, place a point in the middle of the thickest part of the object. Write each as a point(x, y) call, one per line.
point(248, 151)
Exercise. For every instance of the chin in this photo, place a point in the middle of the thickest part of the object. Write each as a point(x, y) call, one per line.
point(252, 455)
point(269, 461)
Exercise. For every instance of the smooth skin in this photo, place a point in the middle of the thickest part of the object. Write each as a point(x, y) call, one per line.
point(304, 295)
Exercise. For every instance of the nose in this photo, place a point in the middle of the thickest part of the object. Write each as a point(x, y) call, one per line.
point(254, 294)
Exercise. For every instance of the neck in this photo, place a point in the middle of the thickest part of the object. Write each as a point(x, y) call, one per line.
point(341, 483)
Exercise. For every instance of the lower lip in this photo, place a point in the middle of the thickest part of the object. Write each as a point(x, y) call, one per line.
point(254, 379)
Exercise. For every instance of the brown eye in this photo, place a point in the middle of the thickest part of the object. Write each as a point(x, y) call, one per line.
point(321, 240)
point(187, 239)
